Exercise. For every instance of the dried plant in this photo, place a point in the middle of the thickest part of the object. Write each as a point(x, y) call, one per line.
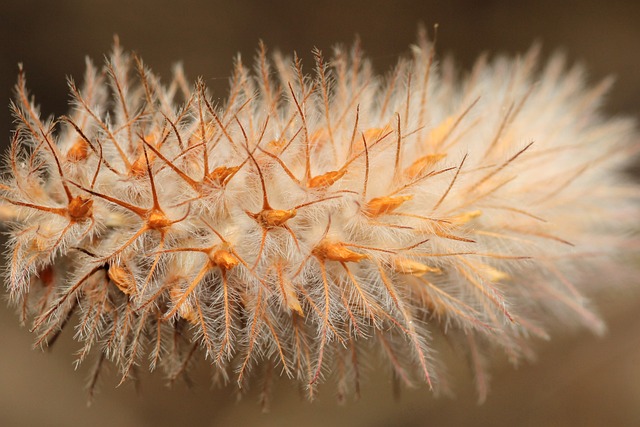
point(315, 221)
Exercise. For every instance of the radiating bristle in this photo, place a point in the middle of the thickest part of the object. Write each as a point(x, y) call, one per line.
point(311, 218)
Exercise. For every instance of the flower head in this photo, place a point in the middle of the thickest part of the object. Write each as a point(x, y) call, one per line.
point(312, 219)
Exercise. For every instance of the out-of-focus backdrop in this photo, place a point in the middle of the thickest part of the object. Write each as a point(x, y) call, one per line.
point(578, 379)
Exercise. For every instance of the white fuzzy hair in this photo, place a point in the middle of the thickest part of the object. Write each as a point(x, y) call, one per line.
point(312, 218)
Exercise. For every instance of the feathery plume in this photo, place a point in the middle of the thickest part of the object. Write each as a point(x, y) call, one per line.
point(315, 220)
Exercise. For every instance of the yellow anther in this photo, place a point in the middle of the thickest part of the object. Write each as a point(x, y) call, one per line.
point(337, 251)
point(277, 144)
point(220, 174)
point(290, 296)
point(196, 137)
point(152, 137)
point(139, 166)
point(41, 241)
point(383, 205)
point(319, 138)
point(493, 274)
point(373, 134)
point(274, 217)
point(438, 133)
point(422, 163)
point(415, 268)
point(78, 151)
point(293, 304)
point(465, 217)
point(326, 179)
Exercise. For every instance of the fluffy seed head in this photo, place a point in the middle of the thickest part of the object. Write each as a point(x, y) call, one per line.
point(314, 221)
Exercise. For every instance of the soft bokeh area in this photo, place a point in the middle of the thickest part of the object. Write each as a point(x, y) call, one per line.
point(577, 380)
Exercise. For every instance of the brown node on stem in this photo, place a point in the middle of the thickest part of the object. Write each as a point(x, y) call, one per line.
point(222, 257)
point(157, 220)
point(329, 178)
point(78, 209)
point(218, 177)
point(380, 205)
point(330, 250)
point(154, 218)
point(200, 139)
point(269, 218)
point(318, 182)
point(217, 257)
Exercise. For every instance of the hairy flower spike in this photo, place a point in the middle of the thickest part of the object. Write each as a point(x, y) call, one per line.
point(312, 218)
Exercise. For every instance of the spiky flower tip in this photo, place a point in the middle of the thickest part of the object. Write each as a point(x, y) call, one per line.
point(311, 223)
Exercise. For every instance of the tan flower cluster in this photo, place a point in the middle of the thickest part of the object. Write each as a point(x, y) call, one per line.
point(315, 221)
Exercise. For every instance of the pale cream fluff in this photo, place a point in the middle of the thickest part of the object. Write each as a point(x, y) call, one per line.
point(313, 219)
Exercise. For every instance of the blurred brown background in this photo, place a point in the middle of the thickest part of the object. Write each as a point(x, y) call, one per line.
point(579, 380)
